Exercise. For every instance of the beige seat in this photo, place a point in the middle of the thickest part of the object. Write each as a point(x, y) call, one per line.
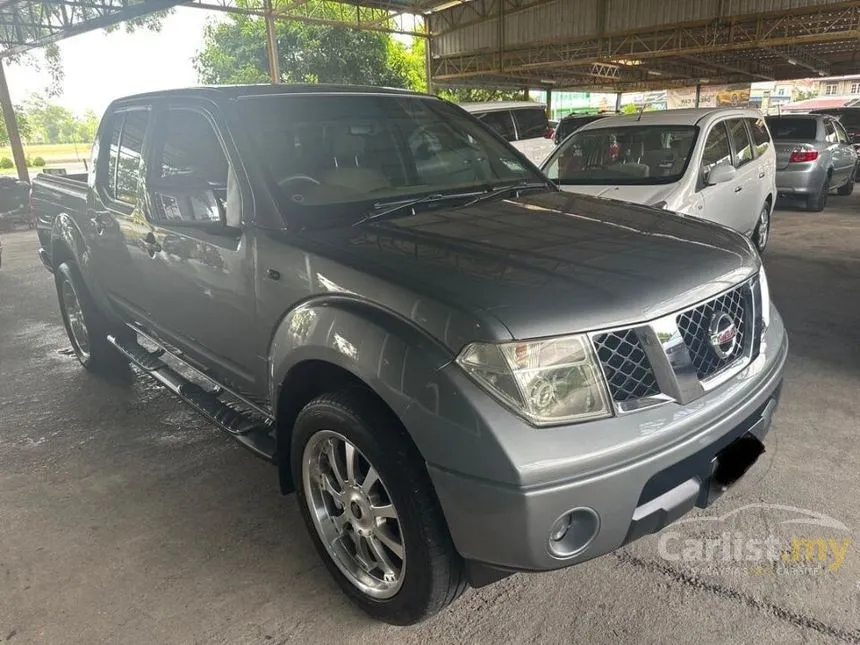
point(348, 171)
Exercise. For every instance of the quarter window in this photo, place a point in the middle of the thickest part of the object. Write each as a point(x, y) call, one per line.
point(841, 135)
point(760, 135)
point(531, 123)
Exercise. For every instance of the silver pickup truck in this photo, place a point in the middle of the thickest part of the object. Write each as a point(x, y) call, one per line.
point(461, 371)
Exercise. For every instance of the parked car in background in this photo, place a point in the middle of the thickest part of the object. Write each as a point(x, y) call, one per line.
point(573, 122)
point(14, 203)
point(522, 123)
point(714, 163)
point(849, 117)
point(814, 156)
point(461, 370)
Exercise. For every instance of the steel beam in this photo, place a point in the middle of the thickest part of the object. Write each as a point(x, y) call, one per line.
point(12, 128)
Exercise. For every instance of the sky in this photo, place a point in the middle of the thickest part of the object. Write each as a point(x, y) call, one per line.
point(100, 67)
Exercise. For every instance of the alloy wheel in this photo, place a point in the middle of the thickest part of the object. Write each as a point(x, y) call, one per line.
point(353, 514)
point(763, 228)
point(77, 323)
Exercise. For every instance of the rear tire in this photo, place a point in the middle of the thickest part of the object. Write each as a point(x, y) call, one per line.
point(84, 323)
point(848, 188)
point(816, 203)
point(422, 573)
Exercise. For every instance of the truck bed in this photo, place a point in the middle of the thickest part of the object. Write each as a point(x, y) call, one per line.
point(51, 195)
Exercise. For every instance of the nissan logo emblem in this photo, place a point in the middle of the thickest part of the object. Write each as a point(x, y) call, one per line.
point(723, 334)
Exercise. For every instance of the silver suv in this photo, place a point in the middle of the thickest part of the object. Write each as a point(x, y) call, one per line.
point(814, 155)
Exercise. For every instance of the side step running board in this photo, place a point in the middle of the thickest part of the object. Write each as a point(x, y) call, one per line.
point(253, 434)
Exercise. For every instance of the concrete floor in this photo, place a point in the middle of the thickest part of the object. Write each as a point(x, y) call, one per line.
point(126, 519)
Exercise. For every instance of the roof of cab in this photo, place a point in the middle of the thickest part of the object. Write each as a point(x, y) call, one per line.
point(685, 116)
point(496, 106)
point(239, 91)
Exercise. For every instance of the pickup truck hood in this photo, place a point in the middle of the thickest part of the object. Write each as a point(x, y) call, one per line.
point(646, 195)
point(551, 263)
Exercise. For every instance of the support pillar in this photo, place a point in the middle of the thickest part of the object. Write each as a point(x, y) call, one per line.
point(618, 101)
point(272, 44)
point(549, 103)
point(698, 93)
point(12, 127)
point(428, 63)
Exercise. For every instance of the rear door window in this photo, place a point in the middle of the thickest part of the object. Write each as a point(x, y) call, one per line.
point(760, 135)
point(741, 141)
point(531, 122)
point(841, 135)
point(123, 175)
point(830, 132)
point(500, 122)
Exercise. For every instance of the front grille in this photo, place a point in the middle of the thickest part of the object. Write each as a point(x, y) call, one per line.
point(625, 365)
point(694, 327)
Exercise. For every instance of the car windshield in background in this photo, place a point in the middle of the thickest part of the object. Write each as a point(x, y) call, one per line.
point(792, 128)
point(631, 155)
point(325, 151)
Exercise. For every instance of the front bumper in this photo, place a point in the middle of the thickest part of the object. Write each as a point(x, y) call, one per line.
point(666, 473)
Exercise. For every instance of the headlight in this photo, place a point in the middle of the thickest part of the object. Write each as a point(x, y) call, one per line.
point(764, 289)
point(547, 382)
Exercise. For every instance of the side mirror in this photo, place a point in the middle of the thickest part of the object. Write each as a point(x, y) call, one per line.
point(721, 174)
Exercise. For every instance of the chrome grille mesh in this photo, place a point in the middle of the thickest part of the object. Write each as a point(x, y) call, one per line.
point(626, 366)
point(693, 325)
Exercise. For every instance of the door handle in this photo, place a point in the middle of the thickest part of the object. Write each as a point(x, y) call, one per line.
point(738, 189)
point(151, 244)
point(98, 224)
point(761, 174)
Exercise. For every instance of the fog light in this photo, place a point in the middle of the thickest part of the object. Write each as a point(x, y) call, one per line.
point(571, 533)
point(559, 529)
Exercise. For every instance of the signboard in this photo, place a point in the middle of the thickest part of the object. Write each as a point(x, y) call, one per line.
point(684, 97)
point(735, 95)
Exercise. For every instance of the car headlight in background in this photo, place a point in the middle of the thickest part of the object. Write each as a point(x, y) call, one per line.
point(764, 290)
point(548, 382)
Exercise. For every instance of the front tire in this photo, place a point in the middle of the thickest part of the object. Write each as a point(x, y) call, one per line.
point(370, 509)
point(84, 323)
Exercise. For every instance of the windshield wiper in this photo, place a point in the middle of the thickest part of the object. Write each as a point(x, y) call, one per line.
point(393, 207)
point(508, 188)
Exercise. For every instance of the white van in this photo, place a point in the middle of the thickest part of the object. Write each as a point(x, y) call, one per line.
point(522, 123)
point(715, 163)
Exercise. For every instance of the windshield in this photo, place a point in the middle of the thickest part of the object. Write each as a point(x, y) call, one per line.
point(624, 155)
point(326, 153)
point(798, 128)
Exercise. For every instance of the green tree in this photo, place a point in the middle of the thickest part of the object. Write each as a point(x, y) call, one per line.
point(234, 51)
point(473, 95)
point(24, 128)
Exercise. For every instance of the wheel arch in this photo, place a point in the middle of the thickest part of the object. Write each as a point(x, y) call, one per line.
point(330, 343)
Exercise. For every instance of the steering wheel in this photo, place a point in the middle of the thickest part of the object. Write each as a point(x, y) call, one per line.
point(287, 180)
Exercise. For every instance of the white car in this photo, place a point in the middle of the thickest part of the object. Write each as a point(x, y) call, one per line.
point(522, 123)
point(715, 163)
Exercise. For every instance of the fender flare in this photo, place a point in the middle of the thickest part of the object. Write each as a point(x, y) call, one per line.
point(374, 344)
